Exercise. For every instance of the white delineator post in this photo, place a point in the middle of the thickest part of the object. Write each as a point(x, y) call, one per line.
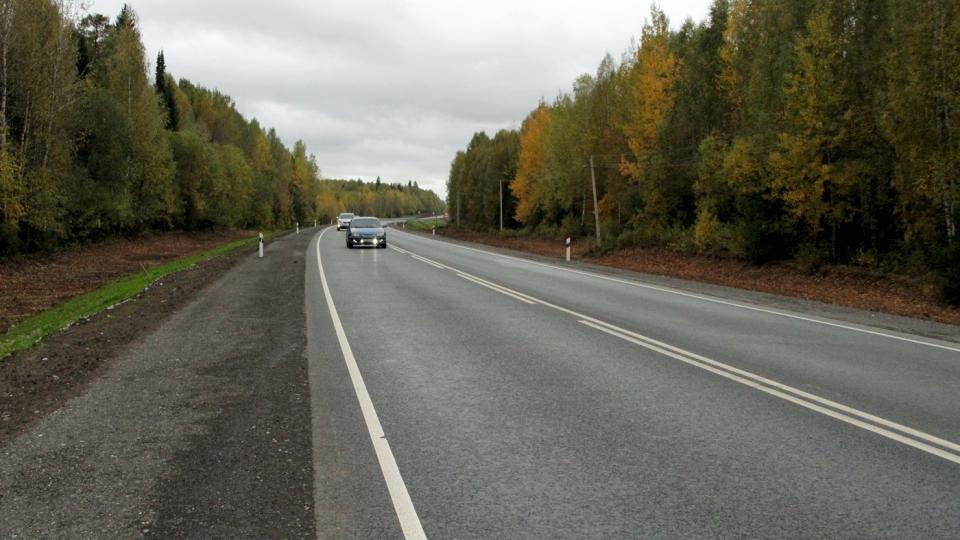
point(434, 230)
point(260, 239)
point(298, 227)
point(568, 249)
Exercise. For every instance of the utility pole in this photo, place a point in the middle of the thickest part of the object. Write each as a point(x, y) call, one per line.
point(596, 211)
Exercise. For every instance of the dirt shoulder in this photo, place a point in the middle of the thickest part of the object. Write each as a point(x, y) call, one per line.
point(839, 286)
point(38, 381)
point(32, 284)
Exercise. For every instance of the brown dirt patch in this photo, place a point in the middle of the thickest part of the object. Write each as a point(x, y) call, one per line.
point(32, 284)
point(547, 248)
point(853, 288)
point(36, 382)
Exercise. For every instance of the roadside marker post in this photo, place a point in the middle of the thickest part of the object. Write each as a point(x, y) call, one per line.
point(298, 227)
point(433, 231)
point(260, 241)
point(568, 249)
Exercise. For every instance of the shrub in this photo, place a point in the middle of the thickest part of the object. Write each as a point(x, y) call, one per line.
point(949, 275)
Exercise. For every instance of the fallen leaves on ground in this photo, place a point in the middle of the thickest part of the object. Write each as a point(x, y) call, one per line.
point(850, 287)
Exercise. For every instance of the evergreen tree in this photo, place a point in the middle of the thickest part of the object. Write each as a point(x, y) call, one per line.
point(162, 85)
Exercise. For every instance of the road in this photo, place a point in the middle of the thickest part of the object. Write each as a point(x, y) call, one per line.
point(436, 389)
point(523, 399)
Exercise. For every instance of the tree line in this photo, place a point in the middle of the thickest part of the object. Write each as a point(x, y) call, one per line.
point(93, 145)
point(376, 199)
point(822, 131)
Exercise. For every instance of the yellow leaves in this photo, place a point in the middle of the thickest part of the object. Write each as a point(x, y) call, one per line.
point(808, 170)
point(710, 235)
point(801, 175)
point(526, 187)
point(729, 79)
point(650, 99)
point(260, 157)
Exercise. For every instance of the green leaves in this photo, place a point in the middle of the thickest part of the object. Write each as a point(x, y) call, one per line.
point(90, 147)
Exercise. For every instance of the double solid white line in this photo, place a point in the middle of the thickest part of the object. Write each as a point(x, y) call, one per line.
point(474, 279)
point(502, 290)
point(891, 430)
point(700, 297)
point(897, 432)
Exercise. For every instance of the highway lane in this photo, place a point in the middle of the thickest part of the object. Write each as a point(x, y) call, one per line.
point(905, 381)
point(523, 412)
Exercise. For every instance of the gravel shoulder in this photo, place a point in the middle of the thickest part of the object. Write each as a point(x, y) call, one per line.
point(38, 381)
point(183, 413)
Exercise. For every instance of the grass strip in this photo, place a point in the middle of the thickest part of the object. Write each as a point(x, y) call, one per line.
point(31, 331)
point(425, 224)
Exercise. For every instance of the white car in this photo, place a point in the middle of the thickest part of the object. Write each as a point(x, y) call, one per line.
point(343, 220)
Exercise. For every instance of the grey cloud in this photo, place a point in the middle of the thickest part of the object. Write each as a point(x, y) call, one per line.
point(384, 87)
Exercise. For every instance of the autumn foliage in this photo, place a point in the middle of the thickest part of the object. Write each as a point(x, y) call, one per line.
point(91, 148)
point(812, 131)
point(527, 187)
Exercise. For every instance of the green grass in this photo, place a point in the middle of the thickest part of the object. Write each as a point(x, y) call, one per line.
point(425, 224)
point(31, 331)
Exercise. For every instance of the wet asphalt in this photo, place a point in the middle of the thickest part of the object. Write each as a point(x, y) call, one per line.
point(506, 418)
point(510, 419)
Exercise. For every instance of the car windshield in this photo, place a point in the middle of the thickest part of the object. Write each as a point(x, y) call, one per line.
point(346, 216)
point(365, 223)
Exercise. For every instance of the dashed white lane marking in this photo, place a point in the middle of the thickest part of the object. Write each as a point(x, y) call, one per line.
point(402, 504)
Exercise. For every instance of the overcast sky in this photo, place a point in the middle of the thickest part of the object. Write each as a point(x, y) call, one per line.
point(389, 88)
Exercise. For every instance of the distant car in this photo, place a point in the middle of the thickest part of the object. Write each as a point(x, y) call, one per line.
point(343, 220)
point(366, 231)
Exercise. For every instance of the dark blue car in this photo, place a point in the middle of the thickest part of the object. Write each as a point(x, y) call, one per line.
point(366, 231)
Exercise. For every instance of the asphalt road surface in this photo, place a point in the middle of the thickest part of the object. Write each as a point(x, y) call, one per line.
point(435, 389)
point(519, 399)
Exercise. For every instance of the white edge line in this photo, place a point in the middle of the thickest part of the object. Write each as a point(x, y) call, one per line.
point(782, 395)
point(709, 299)
point(468, 278)
point(402, 504)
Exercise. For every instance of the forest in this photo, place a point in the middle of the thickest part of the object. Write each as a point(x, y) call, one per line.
point(822, 132)
point(92, 148)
